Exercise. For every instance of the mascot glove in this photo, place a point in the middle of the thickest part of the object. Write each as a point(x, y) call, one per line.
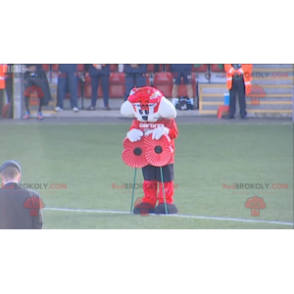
point(134, 135)
point(157, 133)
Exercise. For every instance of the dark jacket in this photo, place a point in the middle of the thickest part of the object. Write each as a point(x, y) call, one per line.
point(38, 67)
point(93, 71)
point(142, 69)
point(39, 79)
point(68, 67)
point(16, 209)
point(181, 67)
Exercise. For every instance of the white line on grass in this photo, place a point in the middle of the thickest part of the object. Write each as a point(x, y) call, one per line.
point(181, 123)
point(177, 215)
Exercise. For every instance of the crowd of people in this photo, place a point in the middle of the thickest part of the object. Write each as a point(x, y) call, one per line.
point(36, 84)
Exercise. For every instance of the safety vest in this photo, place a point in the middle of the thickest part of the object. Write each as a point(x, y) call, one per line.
point(3, 70)
point(245, 70)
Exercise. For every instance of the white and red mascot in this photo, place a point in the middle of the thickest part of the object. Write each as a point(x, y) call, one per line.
point(153, 114)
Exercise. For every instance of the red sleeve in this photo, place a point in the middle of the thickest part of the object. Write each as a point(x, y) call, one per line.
point(135, 124)
point(173, 129)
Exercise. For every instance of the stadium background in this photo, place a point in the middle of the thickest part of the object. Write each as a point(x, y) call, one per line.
point(83, 152)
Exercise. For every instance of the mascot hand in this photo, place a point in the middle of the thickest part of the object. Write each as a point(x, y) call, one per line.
point(158, 132)
point(134, 135)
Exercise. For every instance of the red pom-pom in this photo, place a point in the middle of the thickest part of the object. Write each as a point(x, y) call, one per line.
point(133, 154)
point(158, 152)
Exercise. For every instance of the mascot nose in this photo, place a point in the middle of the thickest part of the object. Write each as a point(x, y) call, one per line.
point(145, 117)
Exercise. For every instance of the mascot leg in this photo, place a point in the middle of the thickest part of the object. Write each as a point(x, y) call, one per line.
point(168, 185)
point(169, 194)
point(148, 202)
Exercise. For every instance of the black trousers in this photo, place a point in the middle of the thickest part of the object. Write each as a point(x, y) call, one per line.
point(9, 87)
point(156, 67)
point(238, 87)
point(152, 173)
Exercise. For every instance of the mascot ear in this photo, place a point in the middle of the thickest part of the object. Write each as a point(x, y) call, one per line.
point(127, 109)
point(166, 109)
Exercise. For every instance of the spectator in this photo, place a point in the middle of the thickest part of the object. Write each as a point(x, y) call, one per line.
point(135, 76)
point(158, 69)
point(67, 77)
point(13, 214)
point(3, 70)
point(35, 76)
point(182, 71)
point(238, 82)
point(96, 72)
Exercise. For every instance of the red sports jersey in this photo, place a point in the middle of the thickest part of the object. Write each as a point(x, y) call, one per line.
point(168, 123)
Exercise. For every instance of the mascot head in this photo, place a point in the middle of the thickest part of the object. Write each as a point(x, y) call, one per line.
point(147, 104)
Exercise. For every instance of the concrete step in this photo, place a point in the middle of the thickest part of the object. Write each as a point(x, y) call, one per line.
point(271, 99)
point(279, 77)
point(268, 90)
point(264, 81)
point(278, 100)
point(263, 107)
point(272, 66)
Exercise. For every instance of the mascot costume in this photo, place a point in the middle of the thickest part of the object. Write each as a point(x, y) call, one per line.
point(154, 117)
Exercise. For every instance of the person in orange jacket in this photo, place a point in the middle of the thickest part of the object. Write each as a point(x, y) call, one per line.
point(3, 69)
point(239, 78)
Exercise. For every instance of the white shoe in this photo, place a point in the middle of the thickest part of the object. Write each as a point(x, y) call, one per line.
point(75, 109)
point(58, 108)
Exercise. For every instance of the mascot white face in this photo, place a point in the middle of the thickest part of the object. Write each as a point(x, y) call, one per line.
point(147, 104)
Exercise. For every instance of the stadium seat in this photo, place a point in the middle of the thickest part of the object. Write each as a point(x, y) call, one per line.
point(147, 80)
point(117, 78)
point(113, 67)
point(117, 85)
point(150, 67)
point(80, 67)
point(200, 68)
point(183, 88)
point(45, 67)
point(163, 78)
point(55, 67)
point(164, 82)
point(216, 68)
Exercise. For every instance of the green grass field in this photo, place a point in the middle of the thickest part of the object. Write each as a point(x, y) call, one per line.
point(87, 158)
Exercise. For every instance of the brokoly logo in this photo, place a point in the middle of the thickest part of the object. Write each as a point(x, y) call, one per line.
point(144, 207)
point(128, 187)
point(255, 204)
point(256, 93)
point(34, 204)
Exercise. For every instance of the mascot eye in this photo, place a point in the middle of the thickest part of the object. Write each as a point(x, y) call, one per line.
point(140, 111)
point(147, 111)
